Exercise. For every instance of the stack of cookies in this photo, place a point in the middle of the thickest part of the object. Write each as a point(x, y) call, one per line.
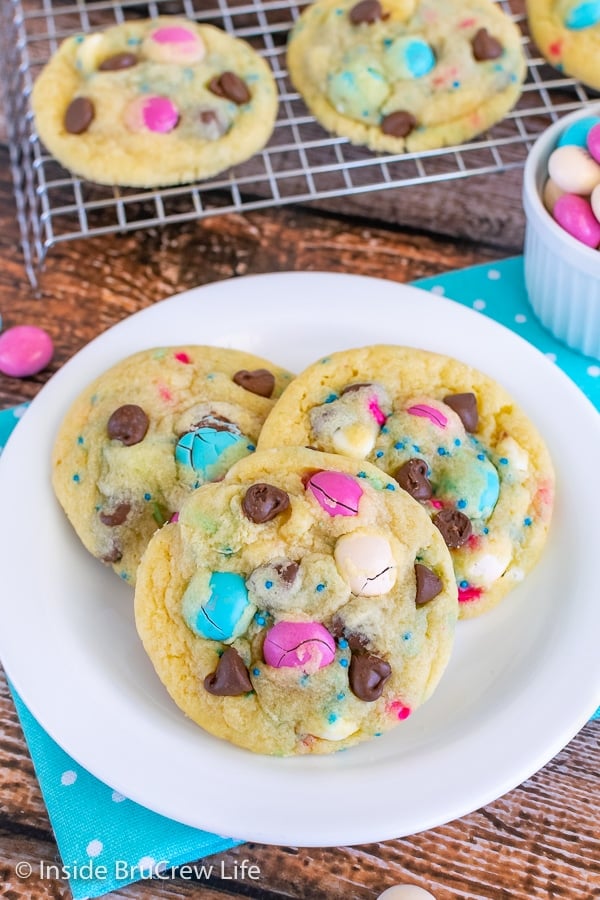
point(301, 548)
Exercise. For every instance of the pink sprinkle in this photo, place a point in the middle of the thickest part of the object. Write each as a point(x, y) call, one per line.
point(466, 23)
point(469, 593)
point(555, 48)
point(399, 709)
point(437, 504)
point(377, 412)
point(428, 412)
point(160, 114)
point(165, 393)
point(173, 35)
point(183, 358)
point(474, 541)
point(174, 517)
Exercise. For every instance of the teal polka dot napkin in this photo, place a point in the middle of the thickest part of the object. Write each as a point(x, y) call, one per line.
point(105, 840)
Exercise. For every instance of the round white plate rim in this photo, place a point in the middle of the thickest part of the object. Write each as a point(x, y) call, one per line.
point(329, 828)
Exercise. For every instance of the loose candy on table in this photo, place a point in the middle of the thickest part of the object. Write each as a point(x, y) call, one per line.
point(25, 350)
point(593, 142)
point(577, 133)
point(575, 215)
point(573, 169)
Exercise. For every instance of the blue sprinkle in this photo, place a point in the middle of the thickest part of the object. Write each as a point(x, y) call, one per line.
point(390, 487)
point(513, 77)
point(147, 496)
point(457, 442)
point(344, 663)
point(260, 620)
point(365, 113)
point(407, 636)
point(461, 504)
point(252, 78)
point(463, 584)
point(416, 448)
point(341, 696)
point(210, 377)
point(124, 576)
point(250, 447)
point(503, 461)
point(527, 521)
point(456, 84)
point(304, 680)
point(196, 485)
point(79, 39)
point(498, 67)
point(325, 359)
point(332, 718)
point(75, 477)
point(339, 12)
point(80, 440)
point(486, 530)
point(256, 672)
point(132, 41)
point(481, 456)
point(361, 474)
point(378, 734)
point(441, 451)
point(379, 454)
point(384, 429)
point(343, 643)
point(268, 585)
point(387, 42)
point(330, 398)
point(320, 587)
point(399, 445)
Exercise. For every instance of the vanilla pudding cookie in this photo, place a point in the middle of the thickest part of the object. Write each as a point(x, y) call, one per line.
point(406, 75)
point(303, 604)
point(149, 431)
point(450, 436)
point(154, 102)
point(567, 33)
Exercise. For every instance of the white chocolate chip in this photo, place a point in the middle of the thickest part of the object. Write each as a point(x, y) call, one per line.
point(355, 440)
point(519, 458)
point(366, 562)
point(89, 53)
point(336, 731)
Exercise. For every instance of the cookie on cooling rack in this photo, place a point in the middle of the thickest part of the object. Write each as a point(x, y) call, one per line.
point(450, 436)
point(567, 33)
point(303, 604)
point(155, 102)
point(149, 431)
point(407, 75)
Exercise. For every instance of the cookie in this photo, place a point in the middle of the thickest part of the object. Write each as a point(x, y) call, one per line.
point(154, 102)
point(149, 431)
point(450, 436)
point(303, 604)
point(406, 75)
point(567, 33)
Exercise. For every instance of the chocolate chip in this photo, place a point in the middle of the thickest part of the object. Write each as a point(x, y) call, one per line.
point(263, 502)
point(356, 641)
point(465, 407)
point(230, 678)
point(366, 12)
point(412, 477)
point(113, 556)
point(485, 46)
point(351, 388)
point(128, 424)
point(117, 516)
point(79, 115)
point(454, 526)
point(230, 86)
point(117, 62)
point(398, 124)
point(258, 381)
point(287, 571)
point(367, 676)
point(428, 584)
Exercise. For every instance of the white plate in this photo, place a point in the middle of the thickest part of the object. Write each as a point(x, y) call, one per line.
point(522, 680)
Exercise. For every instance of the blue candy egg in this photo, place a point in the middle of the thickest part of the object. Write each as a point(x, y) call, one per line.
point(409, 57)
point(489, 495)
point(222, 613)
point(576, 134)
point(583, 15)
point(201, 449)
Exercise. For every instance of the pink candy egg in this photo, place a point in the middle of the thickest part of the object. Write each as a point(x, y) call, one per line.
point(574, 214)
point(299, 644)
point(174, 44)
point(338, 494)
point(155, 113)
point(424, 411)
point(25, 350)
point(593, 142)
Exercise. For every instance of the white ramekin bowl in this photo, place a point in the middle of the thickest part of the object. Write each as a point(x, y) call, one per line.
point(562, 275)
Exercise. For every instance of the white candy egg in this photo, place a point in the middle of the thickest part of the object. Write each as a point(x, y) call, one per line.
point(366, 563)
point(573, 170)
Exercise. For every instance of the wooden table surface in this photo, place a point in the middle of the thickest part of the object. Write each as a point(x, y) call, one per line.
point(542, 840)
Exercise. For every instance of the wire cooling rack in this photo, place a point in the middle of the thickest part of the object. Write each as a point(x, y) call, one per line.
point(301, 163)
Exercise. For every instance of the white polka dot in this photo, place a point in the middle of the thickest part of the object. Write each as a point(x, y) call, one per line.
point(520, 318)
point(438, 289)
point(494, 275)
point(478, 304)
point(116, 797)
point(551, 357)
point(94, 848)
point(594, 371)
point(68, 777)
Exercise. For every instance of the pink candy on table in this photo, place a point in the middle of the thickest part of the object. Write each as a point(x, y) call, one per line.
point(574, 214)
point(335, 492)
point(25, 350)
point(593, 142)
point(299, 644)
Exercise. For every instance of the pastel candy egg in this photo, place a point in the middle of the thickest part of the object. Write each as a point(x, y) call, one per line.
point(550, 194)
point(358, 90)
point(174, 44)
point(408, 57)
point(356, 440)
point(578, 131)
point(573, 170)
point(25, 350)
point(220, 612)
point(366, 562)
point(157, 114)
point(426, 411)
point(335, 492)
point(204, 447)
point(299, 644)
point(595, 201)
point(577, 15)
point(593, 142)
point(575, 215)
